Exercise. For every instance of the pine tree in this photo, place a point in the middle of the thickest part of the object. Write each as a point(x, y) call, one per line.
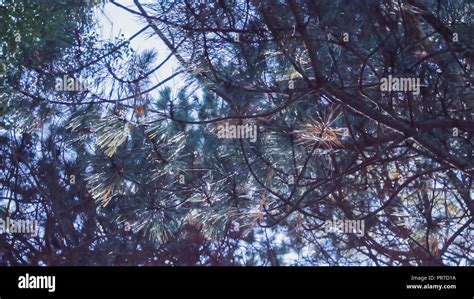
point(133, 171)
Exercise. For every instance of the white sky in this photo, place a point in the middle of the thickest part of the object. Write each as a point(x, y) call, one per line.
point(114, 21)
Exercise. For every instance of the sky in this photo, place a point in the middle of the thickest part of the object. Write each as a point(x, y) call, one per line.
point(114, 21)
